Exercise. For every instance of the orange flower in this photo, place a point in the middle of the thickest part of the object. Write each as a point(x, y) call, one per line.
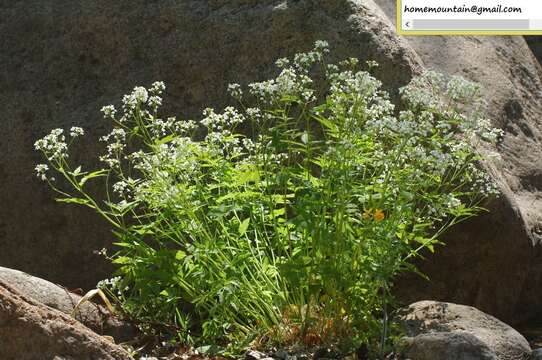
point(378, 215)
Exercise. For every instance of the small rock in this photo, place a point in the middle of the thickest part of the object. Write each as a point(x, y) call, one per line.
point(446, 331)
point(30, 330)
point(281, 355)
point(536, 354)
point(89, 314)
point(255, 355)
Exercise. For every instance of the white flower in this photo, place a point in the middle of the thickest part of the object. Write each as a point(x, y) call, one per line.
point(157, 87)
point(130, 102)
point(140, 94)
point(109, 111)
point(321, 45)
point(53, 145)
point(183, 127)
point(282, 62)
point(112, 283)
point(41, 170)
point(118, 134)
point(120, 187)
point(235, 91)
point(155, 101)
point(76, 131)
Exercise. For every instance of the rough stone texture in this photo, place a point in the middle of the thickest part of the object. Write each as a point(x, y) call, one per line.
point(62, 60)
point(32, 331)
point(446, 331)
point(89, 314)
point(535, 43)
point(493, 262)
point(536, 354)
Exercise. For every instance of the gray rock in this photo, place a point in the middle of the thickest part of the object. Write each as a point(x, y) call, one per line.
point(281, 355)
point(536, 354)
point(255, 355)
point(91, 315)
point(446, 331)
point(30, 330)
point(492, 261)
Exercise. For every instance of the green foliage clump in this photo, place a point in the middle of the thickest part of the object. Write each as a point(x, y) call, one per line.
point(286, 219)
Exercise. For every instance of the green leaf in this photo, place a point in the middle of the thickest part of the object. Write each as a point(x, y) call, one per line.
point(73, 200)
point(243, 226)
point(77, 171)
point(245, 177)
point(278, 212)
point(92, 175)
point(122, 260)
point(165, 139)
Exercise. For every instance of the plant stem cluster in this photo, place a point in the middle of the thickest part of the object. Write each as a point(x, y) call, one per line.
point(288, 220)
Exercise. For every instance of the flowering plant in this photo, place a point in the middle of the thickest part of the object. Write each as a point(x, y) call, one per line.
point(288, 218)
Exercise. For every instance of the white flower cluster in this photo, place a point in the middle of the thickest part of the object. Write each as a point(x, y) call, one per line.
point(125, 187)
point(461, 90)
point(134, 100)
point(157, 88)
point(109, 112)
point(109, 283)
point(235, 91)
point(117, 143)
point(76, 131)
point(113, 284)
point(228, 120)
point(164, 171)
point(41, 171)
point(458, 99)
point(155, 102)
point(293, 83)
point(289, 84)
point(139, 97)
point(53, 145)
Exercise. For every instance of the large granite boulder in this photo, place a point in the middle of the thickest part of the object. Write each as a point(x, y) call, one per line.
point(493, 261)
point(446, 331)
point(30, 330)
point(63, 60)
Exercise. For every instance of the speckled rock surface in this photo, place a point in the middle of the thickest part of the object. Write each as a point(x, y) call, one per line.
point(61, 61)
point(445, 331)
point(493, 262)
point(32, 331)
point(95, 317)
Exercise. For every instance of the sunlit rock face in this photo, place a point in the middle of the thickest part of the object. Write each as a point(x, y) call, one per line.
point(63, 60)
